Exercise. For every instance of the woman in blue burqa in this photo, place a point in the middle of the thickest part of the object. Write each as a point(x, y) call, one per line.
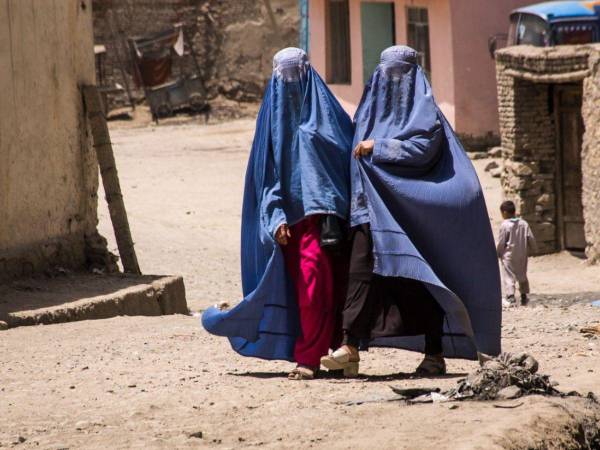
point(423, 272)
point(297, 191)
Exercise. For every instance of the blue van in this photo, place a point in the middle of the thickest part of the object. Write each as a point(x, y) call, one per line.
point(555, 23)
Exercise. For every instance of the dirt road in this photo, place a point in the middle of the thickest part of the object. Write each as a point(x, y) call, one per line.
point(163, 382)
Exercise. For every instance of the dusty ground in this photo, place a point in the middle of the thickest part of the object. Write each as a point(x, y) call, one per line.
point(153, 382)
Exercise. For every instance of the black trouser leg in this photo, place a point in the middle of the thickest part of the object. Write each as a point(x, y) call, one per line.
point(433, 337)
point(357, 314)
point(433, 344)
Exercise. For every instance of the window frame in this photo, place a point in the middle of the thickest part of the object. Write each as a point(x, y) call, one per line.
point(424, 57)
point(332, 74)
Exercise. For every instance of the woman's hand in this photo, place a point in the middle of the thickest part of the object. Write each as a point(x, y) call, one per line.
point(283, 234)
point(364, 148)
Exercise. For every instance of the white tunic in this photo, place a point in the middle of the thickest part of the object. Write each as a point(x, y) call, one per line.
point(514, 241)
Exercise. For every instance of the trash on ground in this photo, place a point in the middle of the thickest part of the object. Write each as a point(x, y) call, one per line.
point(591, 330)
point(506, 377)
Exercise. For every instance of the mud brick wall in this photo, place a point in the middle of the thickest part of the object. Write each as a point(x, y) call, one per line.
point(525, 77)
point(48, 168)
point(235, 39)
point(528, 150)
point(590, 154)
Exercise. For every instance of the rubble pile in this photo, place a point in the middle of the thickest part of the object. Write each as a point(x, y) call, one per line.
point(505, 377)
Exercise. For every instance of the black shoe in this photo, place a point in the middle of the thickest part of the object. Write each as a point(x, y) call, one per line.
point(524, 300)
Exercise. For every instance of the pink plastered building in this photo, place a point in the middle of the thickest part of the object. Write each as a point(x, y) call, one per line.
point(347, 36)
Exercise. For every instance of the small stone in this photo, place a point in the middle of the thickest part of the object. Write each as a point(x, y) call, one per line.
point(531, 364)
point(496, 173)
point(477, 155)
point(197, 434)
point(491, 165)
point(509, 393)
point(495, 152)
point(3, 325)
point(81, 425)
point(453, 406)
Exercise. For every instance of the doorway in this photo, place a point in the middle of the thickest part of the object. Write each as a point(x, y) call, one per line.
point(378, 32)
point(569, 137)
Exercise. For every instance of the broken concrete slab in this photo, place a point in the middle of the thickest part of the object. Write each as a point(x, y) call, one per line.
point(85, 296)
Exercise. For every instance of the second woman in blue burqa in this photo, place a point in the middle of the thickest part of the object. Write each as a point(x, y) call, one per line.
point(423, 270)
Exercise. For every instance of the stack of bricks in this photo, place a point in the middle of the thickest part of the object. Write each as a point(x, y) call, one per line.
point(526, 76)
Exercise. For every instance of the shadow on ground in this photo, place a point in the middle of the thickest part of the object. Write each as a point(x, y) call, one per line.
point(49, 291)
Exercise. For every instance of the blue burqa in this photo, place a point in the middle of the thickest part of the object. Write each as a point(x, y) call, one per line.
point(299, 166)
point(421, 195)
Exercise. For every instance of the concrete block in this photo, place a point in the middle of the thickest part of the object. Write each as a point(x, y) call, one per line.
point(89, 297)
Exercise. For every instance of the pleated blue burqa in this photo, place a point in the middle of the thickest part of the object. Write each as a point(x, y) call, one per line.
point(299, 166)
point(421, 195)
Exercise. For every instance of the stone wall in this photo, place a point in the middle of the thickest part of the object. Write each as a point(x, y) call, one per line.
point(235, 39)
point(526, 76)
point(590, 154)
point(48, 169)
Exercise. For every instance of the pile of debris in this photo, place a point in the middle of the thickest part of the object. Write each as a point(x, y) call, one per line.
point(505, 377)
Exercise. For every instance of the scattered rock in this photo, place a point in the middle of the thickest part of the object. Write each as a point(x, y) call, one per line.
point(491, 165)
point(509, 393)
point(495, 152)
point(3, 325)
point(477, 155)
point(496, 173)
point(197, 434)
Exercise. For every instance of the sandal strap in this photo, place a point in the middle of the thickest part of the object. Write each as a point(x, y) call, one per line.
point(302, 373)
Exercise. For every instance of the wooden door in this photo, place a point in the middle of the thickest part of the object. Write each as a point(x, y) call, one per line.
point(569, 128)
point(377, 29)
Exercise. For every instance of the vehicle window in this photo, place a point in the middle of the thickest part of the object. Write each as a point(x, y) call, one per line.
point(570, 34)
point(532, 30)
point(512, 31)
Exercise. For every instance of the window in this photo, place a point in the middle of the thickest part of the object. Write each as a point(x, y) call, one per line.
point(532, 30)
point(575, 33)
point(338, 42)
point(417, 33)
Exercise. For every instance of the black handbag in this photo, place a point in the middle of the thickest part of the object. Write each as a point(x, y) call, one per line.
point(332, 233)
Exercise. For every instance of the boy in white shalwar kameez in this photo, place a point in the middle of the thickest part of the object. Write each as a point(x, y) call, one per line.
point(515, 240)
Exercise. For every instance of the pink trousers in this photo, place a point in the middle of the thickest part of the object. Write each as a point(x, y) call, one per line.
point(319, 279)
